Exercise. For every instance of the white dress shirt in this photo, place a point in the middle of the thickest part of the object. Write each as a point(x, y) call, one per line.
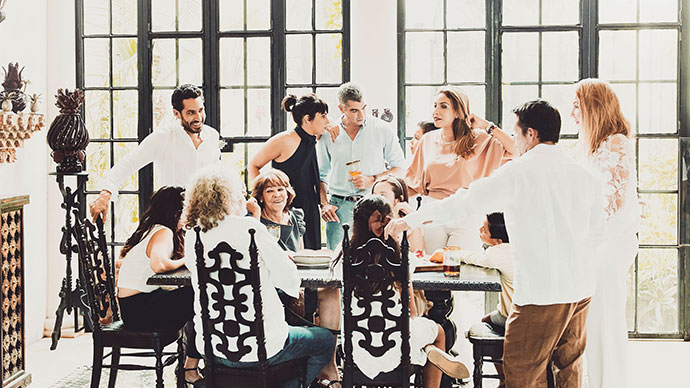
point(174, 157)
point(376, 146)
point(554, 214)
point(276, 270)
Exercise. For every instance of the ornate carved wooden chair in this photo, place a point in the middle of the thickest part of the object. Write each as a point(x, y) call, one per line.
point(223, 279)
point(361, 272)
point(98, 281)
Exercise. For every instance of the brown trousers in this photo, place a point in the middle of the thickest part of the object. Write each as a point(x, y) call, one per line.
point(536, 334)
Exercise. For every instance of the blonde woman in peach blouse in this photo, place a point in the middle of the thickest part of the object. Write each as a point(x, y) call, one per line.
point(465, 149)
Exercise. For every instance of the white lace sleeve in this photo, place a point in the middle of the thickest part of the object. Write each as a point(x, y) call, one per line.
point(615, 159)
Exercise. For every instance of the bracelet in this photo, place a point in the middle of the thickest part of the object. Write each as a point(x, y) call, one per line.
point(490, 128)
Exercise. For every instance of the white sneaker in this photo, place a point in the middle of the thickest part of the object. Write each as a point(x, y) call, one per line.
point(447, 363)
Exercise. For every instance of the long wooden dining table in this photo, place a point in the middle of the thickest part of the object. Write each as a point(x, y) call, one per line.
point(472, 278)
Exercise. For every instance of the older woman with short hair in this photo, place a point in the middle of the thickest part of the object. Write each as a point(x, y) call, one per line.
point(216, 203)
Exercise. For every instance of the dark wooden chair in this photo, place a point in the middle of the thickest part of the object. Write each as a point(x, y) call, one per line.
point(487, 346)
point(99, 285)
point(233, 279)
point(361, 272)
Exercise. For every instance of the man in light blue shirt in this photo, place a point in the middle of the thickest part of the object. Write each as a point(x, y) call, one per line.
point(367, 140)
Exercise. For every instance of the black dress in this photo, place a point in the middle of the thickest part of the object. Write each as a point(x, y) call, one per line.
point(303, 170)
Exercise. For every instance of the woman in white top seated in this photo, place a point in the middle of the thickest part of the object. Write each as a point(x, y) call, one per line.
point(216, 203)
point(156, 246)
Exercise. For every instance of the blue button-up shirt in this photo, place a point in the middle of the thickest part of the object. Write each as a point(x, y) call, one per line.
point(376, 146)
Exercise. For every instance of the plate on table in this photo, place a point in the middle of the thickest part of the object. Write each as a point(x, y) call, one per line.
point(313, 266)
point(311, 258)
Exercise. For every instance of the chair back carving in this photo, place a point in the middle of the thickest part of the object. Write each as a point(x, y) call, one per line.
point(373, 274)
point(96, 270)
point(221, 287)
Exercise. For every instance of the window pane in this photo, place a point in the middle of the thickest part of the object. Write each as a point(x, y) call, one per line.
point(424, 57)
point(627, 95)
point(658, 11)
point(231, 61)
point(560, 61)
point(569, 146)
point(298, 14)
point(329, 58)
point(520, 57)
point(191, 56)
point(514, 95)
point(189, 15)
point(125, 113)
point(657, 290)
point(162, 107)
point(97, 113)
point(126, 216)
point(329, 15)
point(232, 112)
point(298, 53)
point(477, 97)
point(461, 66)
point(617, 53)
point(124, 16)
point(562, 96)
point(258, 61)
point(120, 150)
point(259, 112)
point(97, 164)
point(231, 15)
point(659, 225)
point(259, 15)
point(617, 11)
point(658, 159)
point(330, 95)
point(96, 64)
point(658, 108)
point(520, 12)
point(125, 62)
point(96, 15)
point(424, 14)
point(234, 160)
point(163, 63)
point(420, 103)
point(465, 14)
point(560, 12)
point(658, 55)
point(163, 14)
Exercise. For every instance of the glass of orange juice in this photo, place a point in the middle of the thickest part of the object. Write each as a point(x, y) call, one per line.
point(354, 168)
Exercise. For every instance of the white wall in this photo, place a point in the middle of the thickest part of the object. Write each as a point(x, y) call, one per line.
point(23, 36)
point(374, 52)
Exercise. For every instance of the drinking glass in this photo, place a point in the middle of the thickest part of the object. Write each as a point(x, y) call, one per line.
point(451, 261)
point(274, 230)
point(354, 168)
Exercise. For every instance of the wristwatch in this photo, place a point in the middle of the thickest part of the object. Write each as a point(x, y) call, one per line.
point(490, 128)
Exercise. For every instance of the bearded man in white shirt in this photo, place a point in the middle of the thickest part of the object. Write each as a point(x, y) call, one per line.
point(553, 208)
point(177, 150)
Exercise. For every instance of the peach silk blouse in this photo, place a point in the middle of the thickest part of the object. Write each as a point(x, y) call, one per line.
point(436, 171)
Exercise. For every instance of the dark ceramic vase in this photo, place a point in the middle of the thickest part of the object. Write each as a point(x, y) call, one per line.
point(67, 136)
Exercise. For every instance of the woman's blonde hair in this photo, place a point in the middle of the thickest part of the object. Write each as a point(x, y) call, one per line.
point(463, 135)
point(601, 112)
point(213, 194)
point(272, 178)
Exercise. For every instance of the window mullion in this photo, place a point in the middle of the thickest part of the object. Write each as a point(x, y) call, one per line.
point(211, 62)
point(493, 61)
point(145, 87)
point(278, 65)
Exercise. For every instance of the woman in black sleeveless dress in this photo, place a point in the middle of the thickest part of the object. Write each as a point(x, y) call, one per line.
point(309, 113)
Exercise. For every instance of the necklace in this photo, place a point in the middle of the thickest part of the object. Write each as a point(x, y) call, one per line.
point(446, 142)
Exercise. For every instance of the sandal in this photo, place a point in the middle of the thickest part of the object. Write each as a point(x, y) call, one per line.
point(199, 383)
point(325, 383)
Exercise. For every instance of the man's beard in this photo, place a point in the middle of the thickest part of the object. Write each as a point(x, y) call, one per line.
point(188, 126)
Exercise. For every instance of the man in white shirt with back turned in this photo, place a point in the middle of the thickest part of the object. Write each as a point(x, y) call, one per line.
point(553, 212)
point(177, 150)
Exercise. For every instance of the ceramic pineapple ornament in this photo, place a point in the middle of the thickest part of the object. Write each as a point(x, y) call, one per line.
point(67, 136)
point(13, 85)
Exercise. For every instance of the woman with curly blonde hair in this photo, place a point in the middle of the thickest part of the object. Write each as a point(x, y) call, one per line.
point(607, 146)
point(215, 202)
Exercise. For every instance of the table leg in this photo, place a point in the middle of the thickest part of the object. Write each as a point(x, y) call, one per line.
point(440, 313)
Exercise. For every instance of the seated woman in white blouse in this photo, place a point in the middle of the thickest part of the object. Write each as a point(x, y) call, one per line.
point(156, 246)
point(216, 203)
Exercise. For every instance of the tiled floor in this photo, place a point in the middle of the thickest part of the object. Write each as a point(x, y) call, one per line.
point(653, 363)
